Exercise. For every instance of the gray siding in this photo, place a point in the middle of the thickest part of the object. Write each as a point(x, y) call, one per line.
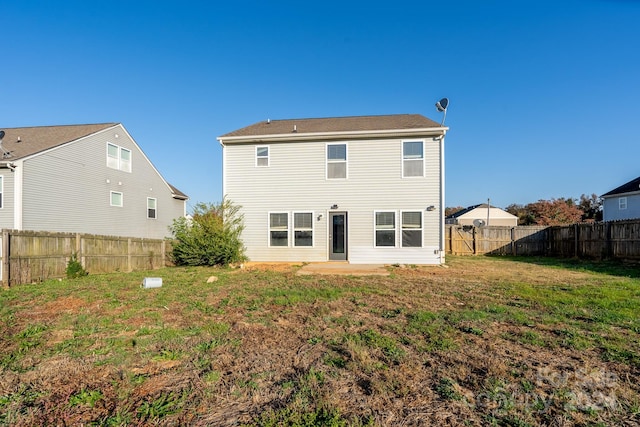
point(6, 212)
point(612, 211)
point(295, 180)
point(67, 189)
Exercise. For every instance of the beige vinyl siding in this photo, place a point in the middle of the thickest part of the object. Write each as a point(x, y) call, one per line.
point(68, 189)
point(296, 181)
point(6, 212)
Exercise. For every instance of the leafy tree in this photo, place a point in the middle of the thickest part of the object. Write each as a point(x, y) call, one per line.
point(591, 207)
point(210, 237)
point(525, 217)
point(555, 211)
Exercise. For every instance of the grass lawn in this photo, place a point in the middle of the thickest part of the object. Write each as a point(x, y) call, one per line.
point(482, 341)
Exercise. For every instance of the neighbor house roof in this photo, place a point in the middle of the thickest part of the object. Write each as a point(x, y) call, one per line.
point(630, 187)
point(480, 206)
point(295, 128)
point(26, 141)
point(466, 210)
point(22, 142)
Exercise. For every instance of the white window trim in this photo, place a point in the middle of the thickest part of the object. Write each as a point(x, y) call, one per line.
point(1, 191)
point(412, 229)
point(424, 163)
point(155, 209)
point(395, 228)
point(345, 161)
point(293, 226)
point(269, 228)
point(263, 157)
point(622, 203)
point(119, 163)
point(111, 199)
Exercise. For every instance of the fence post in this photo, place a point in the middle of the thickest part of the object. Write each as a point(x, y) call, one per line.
point(129, 263)
point(6, 266)
point(576, 231)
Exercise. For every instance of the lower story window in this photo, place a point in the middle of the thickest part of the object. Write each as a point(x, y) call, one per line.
point(412, 229)
point(303, 229)
point(116, 199)
point(385, 228)
point(279, 229)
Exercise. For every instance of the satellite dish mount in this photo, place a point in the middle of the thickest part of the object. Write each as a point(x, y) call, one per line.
point(442, 107)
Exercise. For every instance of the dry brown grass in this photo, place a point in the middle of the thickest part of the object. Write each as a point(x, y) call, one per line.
point(262, 346)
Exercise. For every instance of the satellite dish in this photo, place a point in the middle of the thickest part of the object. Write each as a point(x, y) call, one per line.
point(1, 134)
point(442, 107)
point(442, 104)
point(479, 222)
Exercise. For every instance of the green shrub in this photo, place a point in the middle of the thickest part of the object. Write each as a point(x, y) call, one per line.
point(210, 237)
point(75, 268)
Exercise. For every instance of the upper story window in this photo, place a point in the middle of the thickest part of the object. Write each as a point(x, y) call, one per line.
point(412, 229)
point(412, 158)
point(1, 191)
point(152, 208)
point(118, 157)
point(622, 203)
point(385, 228)
point(116, 199)
point(262, 156)
point(336, 161)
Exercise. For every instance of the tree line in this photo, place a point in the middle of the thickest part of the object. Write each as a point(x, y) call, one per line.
point(588, 208)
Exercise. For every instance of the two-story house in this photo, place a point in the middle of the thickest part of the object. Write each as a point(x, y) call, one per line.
point(366, 189)
point(91, 179)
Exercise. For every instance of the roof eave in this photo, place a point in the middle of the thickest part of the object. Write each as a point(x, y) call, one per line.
point(295, 136)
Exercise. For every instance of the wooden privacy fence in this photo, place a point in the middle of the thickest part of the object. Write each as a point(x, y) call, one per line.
point(469, 240)
point(616, 239)
point(32, 256)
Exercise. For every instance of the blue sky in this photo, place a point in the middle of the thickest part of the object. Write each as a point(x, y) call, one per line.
point(544, 95)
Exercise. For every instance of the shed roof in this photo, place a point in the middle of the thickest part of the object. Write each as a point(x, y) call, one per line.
point(630, 187)
point(335, 124)
point(25, 141)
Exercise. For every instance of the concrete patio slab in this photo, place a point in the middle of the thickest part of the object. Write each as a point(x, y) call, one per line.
point(343, 268)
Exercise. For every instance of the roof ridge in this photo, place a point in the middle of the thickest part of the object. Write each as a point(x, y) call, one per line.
point(58, 126)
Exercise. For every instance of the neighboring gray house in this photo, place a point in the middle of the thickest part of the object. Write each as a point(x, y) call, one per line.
point(482, 215)
point(366, 189)
point(622, 202)
point(83, 178)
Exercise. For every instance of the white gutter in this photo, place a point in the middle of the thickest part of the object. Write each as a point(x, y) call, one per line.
point(295, 136)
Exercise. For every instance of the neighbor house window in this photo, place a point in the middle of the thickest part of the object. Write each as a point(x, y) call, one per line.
point(1, 191)
point(279, 229)
point(303, 229)
point(385, 228)
point(336, 161)
point(116, 198)
point(412, 158)
point(622, 203)
point(152, 206)
point(412, 229)
point(262, 156)
point(118, 157)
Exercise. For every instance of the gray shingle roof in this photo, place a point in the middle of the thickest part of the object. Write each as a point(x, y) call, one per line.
point(629, 187)
point(335, 124)
point(22, 142)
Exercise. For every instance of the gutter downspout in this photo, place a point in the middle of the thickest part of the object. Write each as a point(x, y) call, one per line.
point(442, 228)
